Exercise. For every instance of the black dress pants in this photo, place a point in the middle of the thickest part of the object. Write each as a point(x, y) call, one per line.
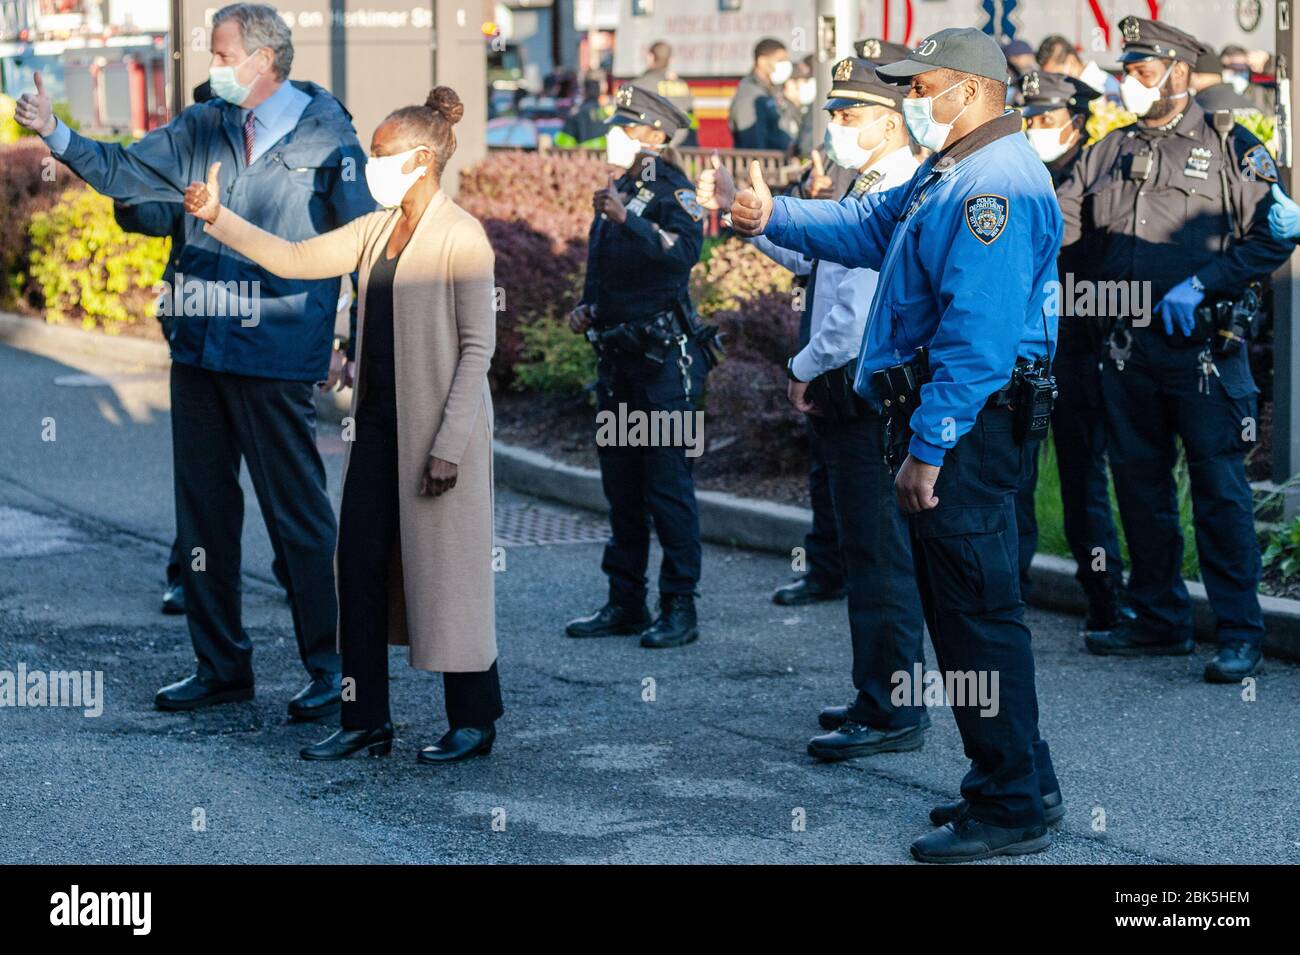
point(217, 420)
point(368, 536)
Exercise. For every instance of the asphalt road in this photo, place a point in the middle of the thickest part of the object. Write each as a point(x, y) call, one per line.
point(1156, 766)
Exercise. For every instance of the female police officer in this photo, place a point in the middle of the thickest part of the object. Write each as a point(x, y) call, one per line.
point(635, 309)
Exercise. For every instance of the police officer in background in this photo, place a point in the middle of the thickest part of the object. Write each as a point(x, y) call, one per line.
point(661, 79)
point(1179, 199)
point(653, 357)
point(823, 179)
point(1056, 110)
point(960, 329)
point(866, 134)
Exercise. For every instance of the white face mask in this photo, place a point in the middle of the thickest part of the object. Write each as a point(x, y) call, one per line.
point(620, 149)
point(1138, 97)
point(842, 144)
point(807, 92)
point(1239, 82)
point(781, 72)
point(1095, 76)
point(388, 184)
point(1047, 143)
point(925, 129)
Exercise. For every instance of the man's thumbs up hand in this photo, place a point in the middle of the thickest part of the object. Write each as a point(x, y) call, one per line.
point(753, 206)
point(34, 110)
point(203, 199)
point(715, 188)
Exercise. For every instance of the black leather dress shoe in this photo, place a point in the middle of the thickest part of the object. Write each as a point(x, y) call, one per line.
point(851, 740)
point(805, 591)
point(345, 743)
point(1132, 640)
point(458, 745)
point(195, 692)
point(676, 624)
point(969, 840)
point(944, 813)
point(321, 697)
point(1233, 662)
point(611, 620)
point(833, 717)
point(174, 600)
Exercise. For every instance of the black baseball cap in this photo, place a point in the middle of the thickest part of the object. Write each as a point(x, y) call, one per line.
point(961, 49)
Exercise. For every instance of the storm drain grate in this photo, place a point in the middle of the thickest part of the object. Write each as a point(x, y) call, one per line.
point(522, 525)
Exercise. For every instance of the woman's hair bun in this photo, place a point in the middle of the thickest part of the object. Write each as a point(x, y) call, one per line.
point(444, 101)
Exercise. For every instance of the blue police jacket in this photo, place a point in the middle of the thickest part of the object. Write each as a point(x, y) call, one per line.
point(240, 318)
point(966, 253)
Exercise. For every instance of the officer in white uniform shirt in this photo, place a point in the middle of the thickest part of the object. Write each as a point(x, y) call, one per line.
point(866, 133)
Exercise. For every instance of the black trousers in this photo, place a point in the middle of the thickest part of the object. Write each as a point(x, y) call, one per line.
point(217, 420)
point(966, 551)
point(1079, 436)
point(369, 532)
point(646, 484)
point(884, 606)
point(1159, 396)
point(821, 543)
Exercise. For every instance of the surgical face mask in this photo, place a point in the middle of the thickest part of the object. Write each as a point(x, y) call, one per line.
point(1094, 76)
point(841, 144)
point(925, 129)
point(388, 184)
point(807, 92)
point(620, 148)
point(1239, 82)
point(781, 72)
point(1047, 143)
point(1138, 97)
point(226, 85)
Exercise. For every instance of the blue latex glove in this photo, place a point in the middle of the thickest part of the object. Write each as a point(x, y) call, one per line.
point(1284, 217)
point(1178, 308)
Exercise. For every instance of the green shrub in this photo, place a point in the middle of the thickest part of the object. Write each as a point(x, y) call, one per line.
point(553, 359)
point(84, 266)
point(1282, 549)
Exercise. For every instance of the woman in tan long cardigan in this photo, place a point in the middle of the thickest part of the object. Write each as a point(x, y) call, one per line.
point(415, 528)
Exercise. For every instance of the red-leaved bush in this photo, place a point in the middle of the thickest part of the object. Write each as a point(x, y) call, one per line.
point(30, 182)
point(536, 209)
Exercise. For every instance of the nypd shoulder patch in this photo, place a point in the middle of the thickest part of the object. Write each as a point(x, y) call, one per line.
point(986, 216)
point(1257, 164)
point(686, 199)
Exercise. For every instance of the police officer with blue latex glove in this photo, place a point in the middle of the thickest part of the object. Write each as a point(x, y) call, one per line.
point(1176, 207)
point(959, 333)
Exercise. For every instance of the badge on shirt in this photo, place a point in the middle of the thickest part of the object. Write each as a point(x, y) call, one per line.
point(1257, 164)
point(637, 204)
point(1198, 163)
point(686, 199)
point(986, 216)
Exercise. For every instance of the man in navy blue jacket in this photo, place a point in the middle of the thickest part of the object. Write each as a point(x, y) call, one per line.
point(247, 346)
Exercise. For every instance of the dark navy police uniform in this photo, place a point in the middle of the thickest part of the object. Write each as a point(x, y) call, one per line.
point(638, 270)
point(1149, 204)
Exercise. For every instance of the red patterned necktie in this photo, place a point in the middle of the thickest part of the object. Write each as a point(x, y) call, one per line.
point(248, 139)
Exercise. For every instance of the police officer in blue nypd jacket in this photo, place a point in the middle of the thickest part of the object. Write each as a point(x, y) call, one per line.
point(1180, 200)
point(866, 134)
point(652, 357)
point(243, 369)
point(965, 252)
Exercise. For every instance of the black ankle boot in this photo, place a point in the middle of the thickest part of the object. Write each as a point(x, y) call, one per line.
point(676, 625)
point(345, 743)
point(1107, 608)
